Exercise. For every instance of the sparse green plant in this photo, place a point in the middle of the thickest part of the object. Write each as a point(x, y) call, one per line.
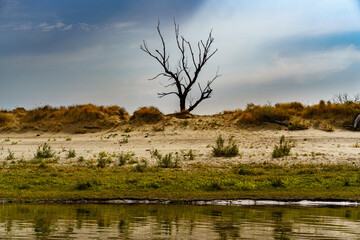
point(141, 166)
point(42, 163)
point(124, 140)
point(71, 153)
point(188, 155)
point(214, 124)
point(327, 127)
point(125, 157)
point(276, 182)
point(83, 185)
point(158, 128)
point(155, 153)
point(356, 145)
point(347, 181)
point(68, 139)
point(247, 170)
point(298, 125)
point(213, 185)
point(167, 161)
point(7, 139)
point(222, 150)
point(112, 135)
point(103, 160)
point(81, 159)
point(128, 129)
point(283, 149)
point(44, 151)
point(10, 156)
point(185, 123)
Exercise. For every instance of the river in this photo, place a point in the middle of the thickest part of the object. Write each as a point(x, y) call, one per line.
point(141, 221)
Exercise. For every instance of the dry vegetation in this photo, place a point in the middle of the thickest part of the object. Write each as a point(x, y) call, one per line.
point(323, 115)
point(90, 118)
point(79, 118)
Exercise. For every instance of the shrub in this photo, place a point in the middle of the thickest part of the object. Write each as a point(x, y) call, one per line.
point(103, 160)
point(276, 182)
point(81, 159)
point(125, 157)
point(213, 185)
point(155, 153)
point(4, 118)
point(147, 115)
point(283, 149)
point(298, 125)
point(189, 155)
point(127, 130)
point(248, 170)
point(260, 114)
point(71, 154)
point(42, 164)
point(10, 156)
point(44, 151)
point(141, 166)
point(222, 150)
point(83, 184)
point(124, 140)
point(167, 161)
point(327, 127)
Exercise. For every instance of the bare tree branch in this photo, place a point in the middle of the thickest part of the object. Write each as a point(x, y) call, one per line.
point(185, 76)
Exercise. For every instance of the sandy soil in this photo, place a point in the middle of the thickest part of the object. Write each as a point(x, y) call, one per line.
point(255, 145)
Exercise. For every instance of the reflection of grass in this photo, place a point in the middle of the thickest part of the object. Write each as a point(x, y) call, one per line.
point(203, 182)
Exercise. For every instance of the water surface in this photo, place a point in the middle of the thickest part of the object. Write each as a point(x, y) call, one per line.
point(40, 221)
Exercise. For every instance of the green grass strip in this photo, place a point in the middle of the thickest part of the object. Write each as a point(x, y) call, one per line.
point(35, 182)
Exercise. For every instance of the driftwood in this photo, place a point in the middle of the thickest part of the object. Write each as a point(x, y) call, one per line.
point(271, 119)
point(356, 122)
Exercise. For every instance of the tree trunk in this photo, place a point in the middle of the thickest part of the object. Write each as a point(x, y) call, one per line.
point(182, 103)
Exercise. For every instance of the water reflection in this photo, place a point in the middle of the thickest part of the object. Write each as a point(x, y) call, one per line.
point(29, 221)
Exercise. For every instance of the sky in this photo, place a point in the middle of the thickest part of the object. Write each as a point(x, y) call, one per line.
point(66, 52)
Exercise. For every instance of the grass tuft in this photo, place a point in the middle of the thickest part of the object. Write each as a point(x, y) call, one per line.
point(222, 150)
point(71, 153)
point(44, 151)
point(103, 160)
point(283, 149)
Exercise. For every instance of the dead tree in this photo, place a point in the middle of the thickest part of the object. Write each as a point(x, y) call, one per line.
point(186, 74)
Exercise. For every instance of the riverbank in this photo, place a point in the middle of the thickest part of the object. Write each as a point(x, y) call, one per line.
point(150, 156)
point(34, 182)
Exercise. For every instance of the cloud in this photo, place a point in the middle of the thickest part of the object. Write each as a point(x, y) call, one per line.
point(68, 27)
point(124, 24)
point(17, 26)
point(59, 25)
point(302, 66)
point(46, 27)
point(87, 27)
point(25, 26)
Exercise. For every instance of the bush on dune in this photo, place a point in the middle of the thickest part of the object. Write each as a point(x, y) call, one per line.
point(49, 118)
point(147, 115)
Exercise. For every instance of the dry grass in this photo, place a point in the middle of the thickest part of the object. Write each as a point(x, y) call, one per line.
point(89, 118)
point(49, 118)
point(147, 115)
point(338, 114)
